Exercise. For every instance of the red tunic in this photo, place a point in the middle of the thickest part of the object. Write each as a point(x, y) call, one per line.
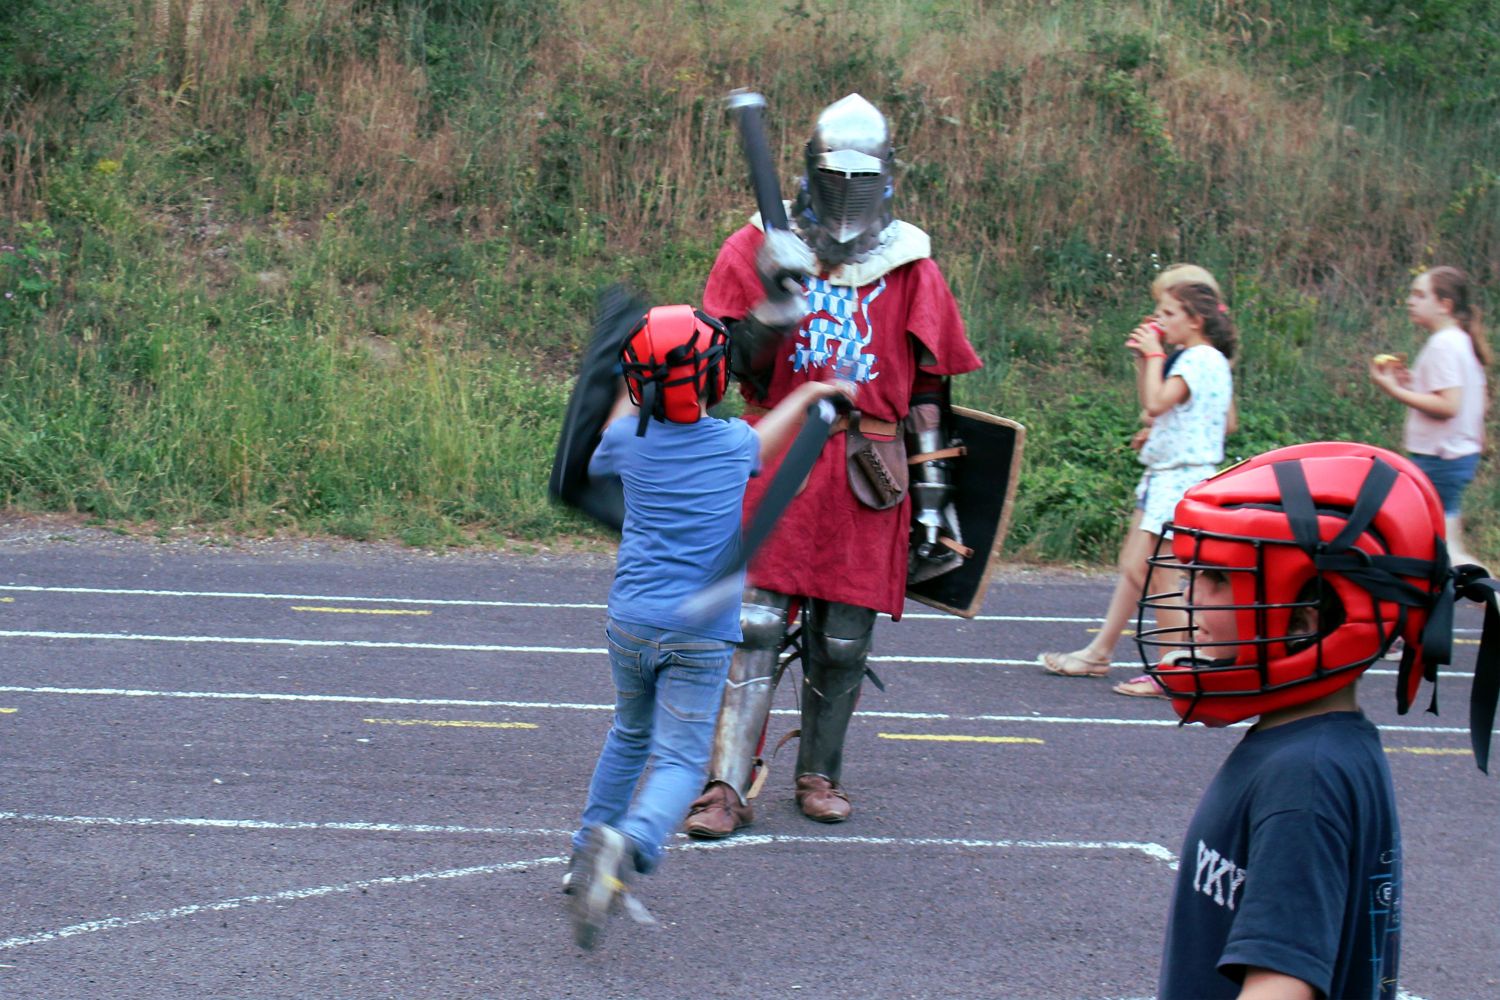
point(828, 545)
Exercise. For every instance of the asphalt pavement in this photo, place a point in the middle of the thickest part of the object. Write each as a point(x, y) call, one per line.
point(300, 769)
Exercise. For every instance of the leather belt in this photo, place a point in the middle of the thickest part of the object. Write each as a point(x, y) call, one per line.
point(864, 423)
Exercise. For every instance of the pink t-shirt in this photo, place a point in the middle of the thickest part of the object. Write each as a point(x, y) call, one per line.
point(1447, 361)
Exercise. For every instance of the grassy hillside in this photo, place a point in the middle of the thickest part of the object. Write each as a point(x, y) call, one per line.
point(327, 264)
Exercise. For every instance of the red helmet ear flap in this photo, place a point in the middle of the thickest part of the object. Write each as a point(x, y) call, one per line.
point(632, 364)
point(717, 369)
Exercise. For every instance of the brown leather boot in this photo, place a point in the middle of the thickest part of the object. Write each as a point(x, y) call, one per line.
point(718, 812)
point(821, 799)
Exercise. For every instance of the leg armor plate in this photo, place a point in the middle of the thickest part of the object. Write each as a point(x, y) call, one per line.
point(747, 693)
point(837, 645)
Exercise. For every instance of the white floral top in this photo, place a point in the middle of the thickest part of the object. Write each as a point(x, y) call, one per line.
point(1192, 432)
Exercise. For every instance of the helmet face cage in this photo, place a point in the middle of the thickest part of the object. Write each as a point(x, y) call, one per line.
point(849, 170)
point(1320, 556)
point(1289, 645)
point(675, 356)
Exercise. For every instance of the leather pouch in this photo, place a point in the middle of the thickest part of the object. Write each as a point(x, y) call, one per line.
point(876, 468)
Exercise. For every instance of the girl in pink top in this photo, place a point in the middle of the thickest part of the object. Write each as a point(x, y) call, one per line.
point(1445, 392)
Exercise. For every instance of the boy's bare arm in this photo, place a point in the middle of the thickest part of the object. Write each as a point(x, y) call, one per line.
point(1263, 984)
point(776, 428)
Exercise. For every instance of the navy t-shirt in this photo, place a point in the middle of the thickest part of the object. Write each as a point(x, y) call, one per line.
point(684, 496)
point(1292, 863)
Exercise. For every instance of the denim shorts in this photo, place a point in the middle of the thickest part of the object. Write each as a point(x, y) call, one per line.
point(1449, 476)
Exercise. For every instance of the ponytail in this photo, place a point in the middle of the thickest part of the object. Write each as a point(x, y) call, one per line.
point(1451, 285)
point(1202, 300)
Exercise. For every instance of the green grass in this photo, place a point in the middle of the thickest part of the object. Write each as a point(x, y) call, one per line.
point(328, 266)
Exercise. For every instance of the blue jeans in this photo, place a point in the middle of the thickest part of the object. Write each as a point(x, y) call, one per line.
point(668, 686)
point(1449, 476)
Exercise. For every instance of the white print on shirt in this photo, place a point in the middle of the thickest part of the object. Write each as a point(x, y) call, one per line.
point(1217, 876)
point(838, 332)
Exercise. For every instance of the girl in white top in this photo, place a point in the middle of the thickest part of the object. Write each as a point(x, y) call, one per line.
point(1445, 392)
point(1189, 411)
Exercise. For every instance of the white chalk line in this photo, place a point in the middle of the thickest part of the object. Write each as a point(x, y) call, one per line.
point(454, 647)
point(474, 603)
point(351, 699)
point(440, 602)
point(1152, 851)
point(286, 896)
point(282, 825)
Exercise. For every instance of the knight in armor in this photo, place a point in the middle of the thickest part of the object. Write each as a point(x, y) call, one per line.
point(849, 293)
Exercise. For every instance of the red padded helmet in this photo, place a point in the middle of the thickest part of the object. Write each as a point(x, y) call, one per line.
point(1351, 530)
point(674, 355)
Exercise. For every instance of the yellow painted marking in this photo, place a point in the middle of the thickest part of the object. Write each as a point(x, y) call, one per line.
point(359, 611)
point(8, 711)
point(1123, 631)
point(7, 600)
point(454, 723)
point(1430, 751)
point(955, 738)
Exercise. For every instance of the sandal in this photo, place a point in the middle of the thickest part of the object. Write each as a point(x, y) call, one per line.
point(1144, 686)
point(1073, 665)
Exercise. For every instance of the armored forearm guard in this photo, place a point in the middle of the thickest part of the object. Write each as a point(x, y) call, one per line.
point(937, 544)
point(931, 480)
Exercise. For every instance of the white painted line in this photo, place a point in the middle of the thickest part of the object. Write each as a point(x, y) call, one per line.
point(454, 647)
point(1153, 851)
point(346, 598)
point(286, 896)
point(260, 824)
point(234, 640)
point(252, 596)
point(350, 699)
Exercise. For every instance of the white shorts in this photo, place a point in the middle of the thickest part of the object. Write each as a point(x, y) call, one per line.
point(1157, 493)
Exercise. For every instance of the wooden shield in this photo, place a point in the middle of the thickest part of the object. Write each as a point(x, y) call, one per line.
point(985, 481)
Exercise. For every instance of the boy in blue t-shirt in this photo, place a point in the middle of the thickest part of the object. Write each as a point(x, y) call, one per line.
point(684, 475)
point(1297, 570)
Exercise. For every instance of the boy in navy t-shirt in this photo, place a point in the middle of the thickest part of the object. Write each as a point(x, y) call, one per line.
point(1297, 569)
point(684, 475)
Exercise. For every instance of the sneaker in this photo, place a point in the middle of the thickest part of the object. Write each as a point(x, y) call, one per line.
point(567, 879)
point(598, 879)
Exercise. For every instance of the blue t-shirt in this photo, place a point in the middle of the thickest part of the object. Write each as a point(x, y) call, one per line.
point(1293, 864)
point(684, 494)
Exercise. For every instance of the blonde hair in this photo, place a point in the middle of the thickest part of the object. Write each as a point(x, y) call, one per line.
point(1183, 274)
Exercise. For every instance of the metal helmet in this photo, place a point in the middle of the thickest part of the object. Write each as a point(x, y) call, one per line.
point(675, 356)
point(849, 179)
point(1330, 551)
